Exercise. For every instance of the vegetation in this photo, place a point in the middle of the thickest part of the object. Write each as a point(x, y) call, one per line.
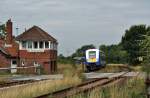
point(132, 40)
point(134, 88)
point(65, 60)
point(36, 89)
point(116, 68)
point(133, 49)
point(2, 31)
point(114, 54)
point(71, 77)
point(81, 51)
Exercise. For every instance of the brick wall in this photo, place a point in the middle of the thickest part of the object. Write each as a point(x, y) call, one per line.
point(4, 62)
point(46, 59)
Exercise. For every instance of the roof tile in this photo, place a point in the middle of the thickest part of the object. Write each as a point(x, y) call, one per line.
point(35, 34)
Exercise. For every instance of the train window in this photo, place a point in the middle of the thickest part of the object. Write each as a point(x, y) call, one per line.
point(92, 54)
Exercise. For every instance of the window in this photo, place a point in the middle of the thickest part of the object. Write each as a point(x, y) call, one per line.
point(46, 44)
point(41, 44)
point(51, 45)
point(55, 46)
point(14, 62)
point(35, 45)
point(92, 54)
point(30, 44)
point(24, 44)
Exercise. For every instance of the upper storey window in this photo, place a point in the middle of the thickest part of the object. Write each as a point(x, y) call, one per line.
point(35, 44)
point(29, 44)
point(24, 44)
point(41, 44)
point(46, 44)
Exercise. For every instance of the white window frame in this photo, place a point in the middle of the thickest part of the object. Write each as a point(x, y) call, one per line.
point(49, 45)
point(38, 49)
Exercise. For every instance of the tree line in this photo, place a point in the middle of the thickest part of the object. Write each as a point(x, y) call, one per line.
point(133, 49)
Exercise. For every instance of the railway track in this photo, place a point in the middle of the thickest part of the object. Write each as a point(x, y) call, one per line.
point(15, 83)
point(84, 87)
point(26, 80)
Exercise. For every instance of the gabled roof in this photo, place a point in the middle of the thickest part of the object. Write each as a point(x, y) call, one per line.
point(3, 50)
point(9, 51)
point(35, 34)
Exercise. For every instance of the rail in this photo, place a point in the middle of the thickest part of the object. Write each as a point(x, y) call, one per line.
point(83, 87)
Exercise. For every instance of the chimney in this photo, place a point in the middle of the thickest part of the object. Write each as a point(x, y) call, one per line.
point(9, 36)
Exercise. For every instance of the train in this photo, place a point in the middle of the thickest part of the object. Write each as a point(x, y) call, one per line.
point(94, 59)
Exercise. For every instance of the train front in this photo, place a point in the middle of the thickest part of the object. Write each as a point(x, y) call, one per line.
point(92, 59)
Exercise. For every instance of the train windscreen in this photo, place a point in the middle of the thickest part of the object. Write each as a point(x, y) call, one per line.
point(92, 54)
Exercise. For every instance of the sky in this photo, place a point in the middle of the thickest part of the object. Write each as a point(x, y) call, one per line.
point(75, 23)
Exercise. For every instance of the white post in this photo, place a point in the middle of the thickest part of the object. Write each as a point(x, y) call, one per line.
point(38, 45)
point(44, 45)
point(20, 45)
point(32, 46)
point(49, 44)
point(27, 45)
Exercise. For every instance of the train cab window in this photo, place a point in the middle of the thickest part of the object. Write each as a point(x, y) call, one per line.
point(92, 54)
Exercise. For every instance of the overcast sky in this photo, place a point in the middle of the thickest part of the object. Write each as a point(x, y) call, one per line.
point(77, 22)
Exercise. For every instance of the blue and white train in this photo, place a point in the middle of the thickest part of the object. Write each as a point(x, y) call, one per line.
point(94, 59)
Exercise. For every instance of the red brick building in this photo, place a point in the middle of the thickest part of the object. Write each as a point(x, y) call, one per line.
point(31, 52)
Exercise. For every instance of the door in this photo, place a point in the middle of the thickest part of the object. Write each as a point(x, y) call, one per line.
point(13, 66)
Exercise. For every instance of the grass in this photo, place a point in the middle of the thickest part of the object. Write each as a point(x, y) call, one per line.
point(73, 76)
point(69, 70)
point(133, 88)
point(32, 90)
point(115, 68)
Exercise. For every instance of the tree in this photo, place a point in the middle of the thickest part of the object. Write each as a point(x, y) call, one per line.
point(145, 48)
point(2, 31)
point(131, 42)
point(64, 60)
point(114, 53)
point(80, 52)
